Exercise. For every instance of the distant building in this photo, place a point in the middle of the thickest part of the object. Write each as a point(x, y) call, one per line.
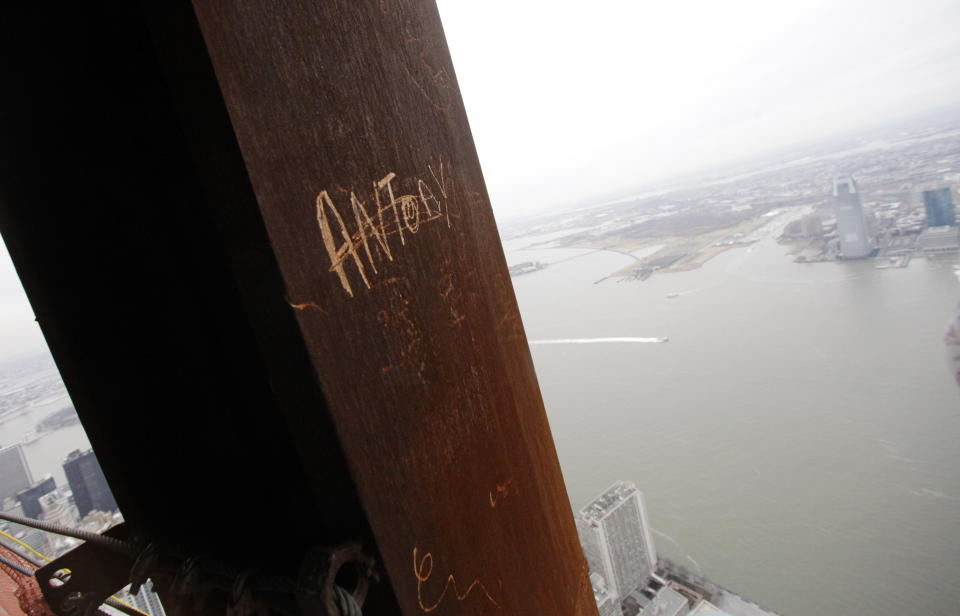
point(30, 497)
point(147, 600)
point(810, 225)
point(668, 602)
point(705, 608)
point(939, 206)
point(87, 482)
point(855, 242)
point(35, 539)
point(526, 267)
point(591, 546)
point(939, 239)
point(14, 472)
point(58, 510)
point(607, 604)
point(616, 538)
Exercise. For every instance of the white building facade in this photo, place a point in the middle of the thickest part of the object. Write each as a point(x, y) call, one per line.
point(618, 542)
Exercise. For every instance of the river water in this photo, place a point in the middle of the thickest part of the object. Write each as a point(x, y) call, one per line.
point(796, 440)
point(46, 454)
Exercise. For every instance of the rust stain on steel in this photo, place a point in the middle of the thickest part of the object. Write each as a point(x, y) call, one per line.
point(359, 152)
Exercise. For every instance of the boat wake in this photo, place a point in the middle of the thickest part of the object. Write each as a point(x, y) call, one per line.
point(599, 340)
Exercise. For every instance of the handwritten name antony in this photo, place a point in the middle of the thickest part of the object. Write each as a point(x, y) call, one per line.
point(367, 240)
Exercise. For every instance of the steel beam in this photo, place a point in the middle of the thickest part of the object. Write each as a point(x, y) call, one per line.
point(258, 241)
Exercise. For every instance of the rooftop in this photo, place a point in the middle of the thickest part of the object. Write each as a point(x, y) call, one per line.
point(613, 496)
point(668, 602)
point(705, 608)
point(844, 186)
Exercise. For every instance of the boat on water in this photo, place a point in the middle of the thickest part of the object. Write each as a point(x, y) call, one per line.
point(663, 339)
point(672, 295)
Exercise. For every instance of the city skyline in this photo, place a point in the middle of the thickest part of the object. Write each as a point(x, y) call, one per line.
point(797, 393)
point(654, 92)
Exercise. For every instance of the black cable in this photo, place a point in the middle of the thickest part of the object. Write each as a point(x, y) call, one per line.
point(102, 540)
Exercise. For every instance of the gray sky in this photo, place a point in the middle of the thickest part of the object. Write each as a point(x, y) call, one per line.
point(19, 333)
point(570, 100)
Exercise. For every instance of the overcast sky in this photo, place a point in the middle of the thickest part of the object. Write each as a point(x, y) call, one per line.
point(574, 102)
point(19, 333)
point(571, 100)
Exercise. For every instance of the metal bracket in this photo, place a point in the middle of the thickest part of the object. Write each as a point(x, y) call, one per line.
point(321, 570)
point(331, 581)
point(79, 582)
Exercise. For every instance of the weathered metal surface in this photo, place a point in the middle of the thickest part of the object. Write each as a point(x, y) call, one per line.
point(143, 253)
point(359, 152)
point(271, 278)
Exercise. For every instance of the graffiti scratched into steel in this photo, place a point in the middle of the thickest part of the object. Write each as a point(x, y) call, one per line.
point(423, 568)
point(368, 240)
point(502, 491)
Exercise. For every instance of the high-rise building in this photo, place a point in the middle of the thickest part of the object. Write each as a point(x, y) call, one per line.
point(14, 472)
point(30, 497)
point(940, 209)
point(855, 242)
point(939, 239)
point(146, 600)
point(668, 602)
point(607, 604)
point(58, 511)
point(87, 482)
point(616, 537)
point(705, 608)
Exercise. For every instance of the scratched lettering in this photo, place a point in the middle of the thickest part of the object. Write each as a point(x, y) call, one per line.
point(502, 491)
point(360, 244)
point(423, 569)
point(424, 61)
point(450, 290)
point(306, 305)
point(409, 353)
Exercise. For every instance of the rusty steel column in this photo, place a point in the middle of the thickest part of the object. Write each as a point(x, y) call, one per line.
point(310, 209)
point(355, 138)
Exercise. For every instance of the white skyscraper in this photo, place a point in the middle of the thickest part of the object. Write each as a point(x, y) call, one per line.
point(617, 540)
point(855, 241)
point(14, 472)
